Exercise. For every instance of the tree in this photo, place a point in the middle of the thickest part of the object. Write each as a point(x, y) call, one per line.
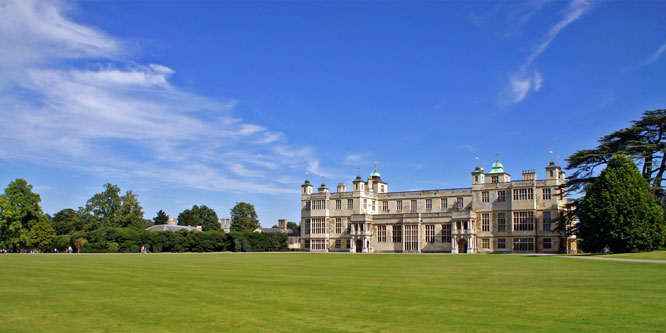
point(243, 217)
point(41, 236)
point(644, 142)
point(110, 209)
point(66, 221)
point(200, 216)
point(19, 211)
point(161, 217)
point(619, 210)
point(292, 226)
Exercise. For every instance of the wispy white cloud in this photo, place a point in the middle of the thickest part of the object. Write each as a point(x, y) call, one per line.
point(528, 78)
point(109, 116)
point(655, 56)
point(354, 159)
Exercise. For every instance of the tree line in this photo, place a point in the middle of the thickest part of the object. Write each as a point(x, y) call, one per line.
point(111, 221)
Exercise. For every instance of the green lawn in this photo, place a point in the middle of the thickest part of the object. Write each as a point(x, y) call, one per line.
point(327, 292)
point(654, 255)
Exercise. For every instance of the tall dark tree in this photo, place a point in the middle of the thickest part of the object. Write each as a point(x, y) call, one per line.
point(200, 216)
point(292, 226)
point(161, 218)
point(619, 210)
point(644, 142)
point(19, 212)
point(109, 208)
point(41, 236)
point(244, 217)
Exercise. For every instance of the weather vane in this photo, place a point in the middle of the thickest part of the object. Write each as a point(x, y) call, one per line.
point(306, 175)
point(477, 161)
point(551, 155)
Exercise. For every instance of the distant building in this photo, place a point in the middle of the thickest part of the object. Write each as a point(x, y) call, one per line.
point(225, 224)
point(495, 215)
point(171, 227)
point(172, 221)
point(293, 236)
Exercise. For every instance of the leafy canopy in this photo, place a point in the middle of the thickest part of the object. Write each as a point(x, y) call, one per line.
point(161, 217)
point(244, 217)
point(620, 211)
point(19, 212)
point(200, 216)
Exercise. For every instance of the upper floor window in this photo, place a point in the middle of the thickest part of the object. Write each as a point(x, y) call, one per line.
point(485, 197)
point(338, 225)
point(546, 194)
point(338, 204)
point(495, 179)
point(546, 221)
point(398, 205)
point(307, 205)
point(307, 226)
point(523, 221)
point(428, 203)
point(385, 206)
point(501, 222)
point(523, 194)
point(485, 222)
point(374, 205)
point(501, 196)
point(413, 206)
point(459, 203)
point(350, 203)
point(445, 203)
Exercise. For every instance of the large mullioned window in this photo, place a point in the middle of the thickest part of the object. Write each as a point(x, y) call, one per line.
point(523, 244)
point(485, 222)
point(523, 194)
point(411, 238)
point(501, 222)
point(446, 233)
point(381, 233)
point(546, 194)
point(319, 226)
point(546, 221)
point(397, 234)
point(430, 233)
point(523, 221)
point(338, 225)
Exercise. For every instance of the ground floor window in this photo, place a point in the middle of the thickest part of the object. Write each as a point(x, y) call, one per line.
point(501, 243)
point(523, 244)
point(348, 243)
point(411, 238)
point(486, 243)
point(397, 234)
point(338, 244)
point(446, 233)
point(547, 243)
point(381, 234)
point(430, 233)
point(307, 244)
point(318, 244)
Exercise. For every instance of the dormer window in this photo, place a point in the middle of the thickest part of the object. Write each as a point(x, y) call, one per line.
point(495, 179)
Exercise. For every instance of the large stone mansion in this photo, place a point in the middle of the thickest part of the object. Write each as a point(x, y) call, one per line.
point(495, 215)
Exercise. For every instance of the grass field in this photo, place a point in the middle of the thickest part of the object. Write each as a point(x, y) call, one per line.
point(327, 292)
point(654, 255)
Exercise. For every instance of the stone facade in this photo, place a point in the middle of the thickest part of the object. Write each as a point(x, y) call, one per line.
point(495, 215)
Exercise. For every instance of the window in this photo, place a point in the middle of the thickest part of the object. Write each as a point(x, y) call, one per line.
point(319, 226)
point(338, 204)
point(307, 226)
point(374, 205)
point(485, 197)
point(430, 233)
point(485, 243)
point(485, 222)
point(547, 243)
point(501, 243)
point(398, 205)
point(318, 204)
point(381, 233)
point(445, 204)
point(523, 194)
point(546, 194)
point(307, 205)
point(446, 233)
point(318, 244)
point(411, 238)
point(413, 205)
point(495, 179)
point(459, 203)
point(501, 222)
point(523, 244)
point(501, 196)
point(385, 206)
point(397, 234)
point(381, 188)
point(552, 174)
point(338, 225)
point(350, 203)
point(546, 221)
point(307, 244)
point(523, 221)
point(428, 204)
point(338, 243)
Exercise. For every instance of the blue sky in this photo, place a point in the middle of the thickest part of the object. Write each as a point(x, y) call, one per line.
point(220, 102)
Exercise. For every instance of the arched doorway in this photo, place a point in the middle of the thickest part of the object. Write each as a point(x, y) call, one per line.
point(359, 245)
point(462, 245)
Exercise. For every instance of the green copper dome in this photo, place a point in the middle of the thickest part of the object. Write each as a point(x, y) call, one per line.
point(375, 174)
point(497, 167)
